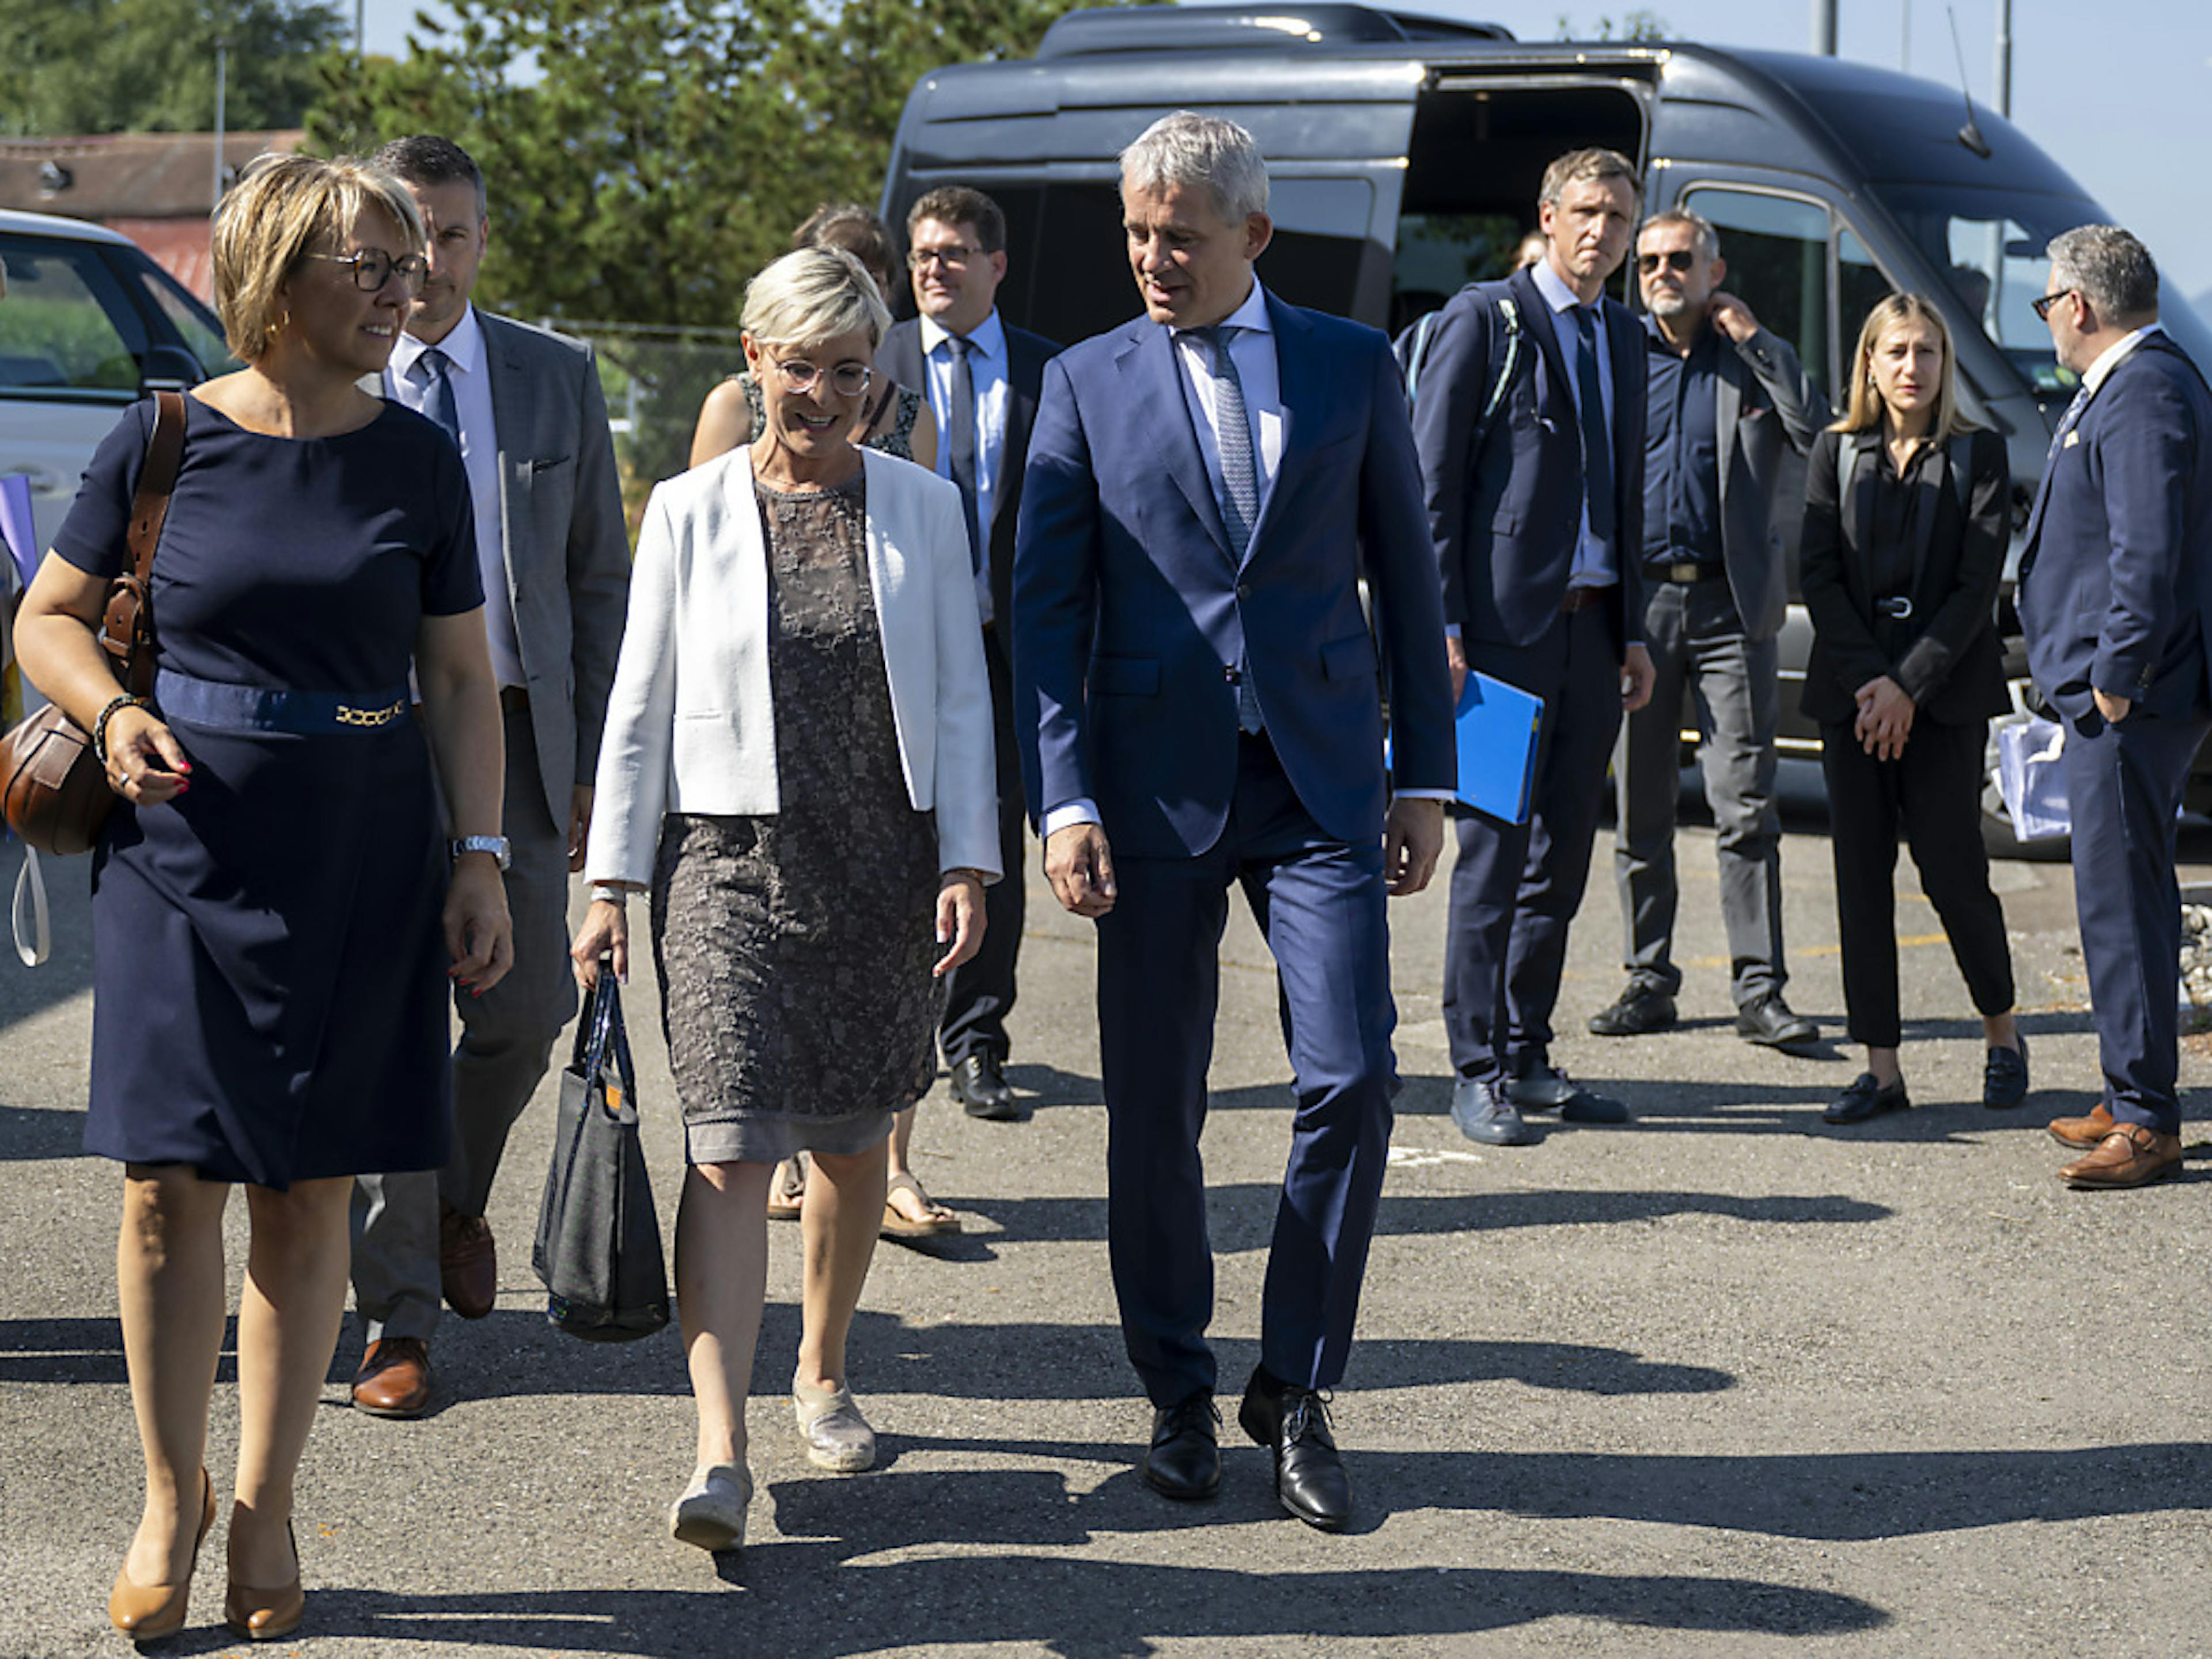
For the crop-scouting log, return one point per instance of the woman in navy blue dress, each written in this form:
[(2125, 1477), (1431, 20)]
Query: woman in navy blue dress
[(273, 919)]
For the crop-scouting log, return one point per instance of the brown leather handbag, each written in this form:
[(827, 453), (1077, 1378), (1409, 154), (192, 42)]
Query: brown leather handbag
[(52, 786)]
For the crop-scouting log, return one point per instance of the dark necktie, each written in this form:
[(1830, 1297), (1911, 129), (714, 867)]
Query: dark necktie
[(2067, 423), (1597, 444), (430, 372), (960, 444), (1240, 479)]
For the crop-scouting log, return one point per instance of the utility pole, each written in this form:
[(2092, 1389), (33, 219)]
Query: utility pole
[(1904, 40), (2001, 83), (360, 32), (1824, 28), (221, 76)]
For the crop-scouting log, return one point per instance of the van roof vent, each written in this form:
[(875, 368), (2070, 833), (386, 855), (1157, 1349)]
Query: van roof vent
[(1212, 28)]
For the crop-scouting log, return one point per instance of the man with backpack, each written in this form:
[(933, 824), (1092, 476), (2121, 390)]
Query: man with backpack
[(1535, 501)]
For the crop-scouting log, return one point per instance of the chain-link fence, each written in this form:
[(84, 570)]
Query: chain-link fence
[(655, 379)]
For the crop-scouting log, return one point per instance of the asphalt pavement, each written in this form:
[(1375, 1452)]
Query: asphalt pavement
[(1721, 1381)]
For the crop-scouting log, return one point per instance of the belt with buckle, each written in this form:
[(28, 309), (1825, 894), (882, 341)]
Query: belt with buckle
[(1688, 571), (226, 708), (1897, 605), (1576, 598)]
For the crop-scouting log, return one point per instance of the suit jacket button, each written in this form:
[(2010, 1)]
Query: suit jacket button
[(1243, 590)]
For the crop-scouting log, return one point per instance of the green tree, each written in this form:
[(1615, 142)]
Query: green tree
[(88, 66), (1638, 25), (646, 156)]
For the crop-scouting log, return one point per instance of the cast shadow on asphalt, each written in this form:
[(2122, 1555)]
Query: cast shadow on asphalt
[(822, 1588), (516, 1355)]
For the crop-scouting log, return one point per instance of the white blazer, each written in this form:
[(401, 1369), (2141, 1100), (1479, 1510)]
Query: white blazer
[(691, 725)]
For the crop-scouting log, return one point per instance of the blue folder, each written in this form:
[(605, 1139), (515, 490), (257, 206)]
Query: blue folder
[(1498, 727)]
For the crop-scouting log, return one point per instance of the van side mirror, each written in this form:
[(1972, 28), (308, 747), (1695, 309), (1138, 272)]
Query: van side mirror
[(166, 367)]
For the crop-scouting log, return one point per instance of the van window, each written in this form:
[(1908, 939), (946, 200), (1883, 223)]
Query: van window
[(68, 332), (1861, 287), (201, 335), (1991, 242), (1776, 249), (1320, 236)]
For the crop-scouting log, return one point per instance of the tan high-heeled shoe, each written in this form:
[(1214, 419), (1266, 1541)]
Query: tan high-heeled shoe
[(147, 1613), (261, 1614)]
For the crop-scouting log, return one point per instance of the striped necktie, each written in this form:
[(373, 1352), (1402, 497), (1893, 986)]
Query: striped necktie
[(429, 371), (1240, 479)]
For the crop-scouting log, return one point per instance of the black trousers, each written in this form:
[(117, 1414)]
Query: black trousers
[(979, 993), (1933, 792)]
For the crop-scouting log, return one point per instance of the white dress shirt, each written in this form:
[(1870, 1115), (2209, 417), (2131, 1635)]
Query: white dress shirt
[(2109, 358), (987, 376), (1596, 563), (467, 373)]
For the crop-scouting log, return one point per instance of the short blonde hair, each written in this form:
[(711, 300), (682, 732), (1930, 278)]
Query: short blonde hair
[(812, 295), (280, 208), (1865, 410)]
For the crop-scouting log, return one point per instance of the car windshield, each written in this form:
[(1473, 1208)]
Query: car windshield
[(1991, 243)]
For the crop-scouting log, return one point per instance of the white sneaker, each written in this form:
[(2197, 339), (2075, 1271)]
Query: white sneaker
[(711, 1513), (837, 1436)]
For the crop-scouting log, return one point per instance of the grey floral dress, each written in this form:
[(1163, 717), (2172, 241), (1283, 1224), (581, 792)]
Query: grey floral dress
[(794, 950)]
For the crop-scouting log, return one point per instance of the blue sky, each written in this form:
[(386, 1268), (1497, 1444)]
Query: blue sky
[(2117, 91)]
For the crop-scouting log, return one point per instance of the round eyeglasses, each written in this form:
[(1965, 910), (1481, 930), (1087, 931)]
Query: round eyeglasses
[(372, 268), (847, 380)]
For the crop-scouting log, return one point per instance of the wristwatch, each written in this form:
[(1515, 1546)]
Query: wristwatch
[(494, 845)]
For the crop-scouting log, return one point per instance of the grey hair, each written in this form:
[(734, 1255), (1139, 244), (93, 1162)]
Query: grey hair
[(1186, 149), (814, 295), (1708, 239), (2107, 267)]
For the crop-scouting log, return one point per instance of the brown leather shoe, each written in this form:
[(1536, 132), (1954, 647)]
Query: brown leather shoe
[(2082, 1131), (2128, 1156), (468, 1263), (394, 1378)]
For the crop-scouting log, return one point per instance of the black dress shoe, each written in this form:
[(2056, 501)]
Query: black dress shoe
[(977, 1085), (1539, 1087), (1184, 1463), (1292, 1423), (1865, 1098), (1770, 1022), (2004, 1077), (1483, 1114), (1641, 1010)]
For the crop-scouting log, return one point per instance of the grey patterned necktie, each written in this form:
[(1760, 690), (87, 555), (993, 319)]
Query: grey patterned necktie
[(2067, 423), (429, 371), (1240, 478)]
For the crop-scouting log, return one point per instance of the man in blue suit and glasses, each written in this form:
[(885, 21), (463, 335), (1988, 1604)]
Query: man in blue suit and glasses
[(1200, 705), (2115, 587)]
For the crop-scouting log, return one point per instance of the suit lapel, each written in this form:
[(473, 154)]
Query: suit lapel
[(1302, 388), (1541, 321), (1861, 504), (1149, 370), (1728, 409), (509, 417), (1025, 377), (901, 357)]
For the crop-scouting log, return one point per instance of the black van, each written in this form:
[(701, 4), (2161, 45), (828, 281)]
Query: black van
[(1405, 153)]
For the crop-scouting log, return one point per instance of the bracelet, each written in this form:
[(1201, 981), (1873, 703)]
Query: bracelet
[(100, 725), (607, 892)]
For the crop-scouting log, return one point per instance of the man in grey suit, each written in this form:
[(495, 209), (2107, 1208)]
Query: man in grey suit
[(524, 407), (1723, 397)]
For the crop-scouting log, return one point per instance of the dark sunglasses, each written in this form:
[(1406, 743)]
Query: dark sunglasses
[(2042, 306), (1681, 258)]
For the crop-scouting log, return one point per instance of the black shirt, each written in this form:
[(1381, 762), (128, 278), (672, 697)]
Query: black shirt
[(1896, 518), (1681, 451)]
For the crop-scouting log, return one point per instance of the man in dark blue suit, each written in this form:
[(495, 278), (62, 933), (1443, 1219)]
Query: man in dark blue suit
[(1530, 429), (1200, 701), (2115, 584)]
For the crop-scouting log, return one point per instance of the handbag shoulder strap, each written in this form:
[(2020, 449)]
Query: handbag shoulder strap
[(156, 479)]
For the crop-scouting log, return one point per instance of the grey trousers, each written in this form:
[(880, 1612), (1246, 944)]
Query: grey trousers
[(506, 1040), (1697, 644)]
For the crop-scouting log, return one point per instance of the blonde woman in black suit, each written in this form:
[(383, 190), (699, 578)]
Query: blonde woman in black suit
[(1906, 526)]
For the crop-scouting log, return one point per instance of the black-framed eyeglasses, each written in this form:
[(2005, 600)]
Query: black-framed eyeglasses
[(2042, 306), (1678, 258), (847, 380), (957, 256), (372, 268)]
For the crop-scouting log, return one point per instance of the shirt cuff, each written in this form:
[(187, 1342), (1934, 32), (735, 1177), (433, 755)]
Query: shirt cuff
[(1423, 794), (1082, 810), (1451, 630)]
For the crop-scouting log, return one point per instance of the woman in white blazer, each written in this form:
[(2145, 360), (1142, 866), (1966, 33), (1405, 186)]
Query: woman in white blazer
[(798, 768)]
